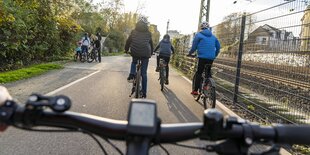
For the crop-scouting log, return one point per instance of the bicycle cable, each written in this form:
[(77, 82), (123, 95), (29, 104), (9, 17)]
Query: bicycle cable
[(97, 141), (189, 146), (162, 147), (113, 145)]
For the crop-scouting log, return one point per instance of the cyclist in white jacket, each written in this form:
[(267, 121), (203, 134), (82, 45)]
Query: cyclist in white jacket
[(85, 43)]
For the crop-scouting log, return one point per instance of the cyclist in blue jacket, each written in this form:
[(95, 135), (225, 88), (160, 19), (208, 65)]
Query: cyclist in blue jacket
[(165, 50), (208, 48)]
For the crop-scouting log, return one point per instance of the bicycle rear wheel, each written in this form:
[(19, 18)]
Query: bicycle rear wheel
[(138, 85), (162, 78), (209, 100), (83, 57), (91, 57)]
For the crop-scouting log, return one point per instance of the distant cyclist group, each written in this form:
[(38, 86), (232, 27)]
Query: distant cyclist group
[(140, 45), (87, 42)]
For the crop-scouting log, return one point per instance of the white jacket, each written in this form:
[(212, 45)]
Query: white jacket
[(85, 41)]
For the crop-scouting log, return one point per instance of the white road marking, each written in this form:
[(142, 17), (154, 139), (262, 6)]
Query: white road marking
[(187, 79), (70, 84)]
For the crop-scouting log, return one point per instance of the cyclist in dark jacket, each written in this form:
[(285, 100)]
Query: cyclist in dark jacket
[(99, 47), (165, 50), (208, 47), (141, 47)]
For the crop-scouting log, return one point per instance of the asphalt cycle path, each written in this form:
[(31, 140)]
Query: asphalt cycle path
[(100, 89)]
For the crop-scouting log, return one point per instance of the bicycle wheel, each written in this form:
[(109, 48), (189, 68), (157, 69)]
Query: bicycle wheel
[(138, 86), (83, 57), (162, 78), (209, 100), (91, 57)]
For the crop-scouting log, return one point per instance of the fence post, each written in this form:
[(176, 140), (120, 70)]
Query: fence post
[(236, 92)]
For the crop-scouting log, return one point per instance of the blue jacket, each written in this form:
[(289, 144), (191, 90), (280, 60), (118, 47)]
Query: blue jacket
[(206, 44), (165, 48)]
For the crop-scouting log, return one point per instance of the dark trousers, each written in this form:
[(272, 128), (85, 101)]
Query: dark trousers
[(202, 63), (144, 65), (167, 59), (99, 53), (84, 48)]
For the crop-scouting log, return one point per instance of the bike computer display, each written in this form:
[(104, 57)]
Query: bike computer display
[(142, 117)]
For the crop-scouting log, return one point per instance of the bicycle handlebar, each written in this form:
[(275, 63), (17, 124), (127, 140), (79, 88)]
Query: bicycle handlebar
[(116, 129), (245, 133), (109, 128)]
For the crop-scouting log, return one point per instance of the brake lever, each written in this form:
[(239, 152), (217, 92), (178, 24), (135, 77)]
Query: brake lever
[(7, 110), (226, 147), (58, 103)]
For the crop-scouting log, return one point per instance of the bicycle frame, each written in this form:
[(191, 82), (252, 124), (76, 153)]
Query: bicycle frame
[(162, 73), (93, 55), (136, 85), (83, 55), (207, 90)]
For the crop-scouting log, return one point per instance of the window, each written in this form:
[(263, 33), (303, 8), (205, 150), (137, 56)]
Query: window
[(264, 41)]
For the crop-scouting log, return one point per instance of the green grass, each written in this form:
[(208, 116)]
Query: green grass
[(28, 72), (302, 149), (113, 54)]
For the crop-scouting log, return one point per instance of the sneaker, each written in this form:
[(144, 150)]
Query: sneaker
[(157, 69), (130, 78), (194, 93), (143, 96), (167, 82)]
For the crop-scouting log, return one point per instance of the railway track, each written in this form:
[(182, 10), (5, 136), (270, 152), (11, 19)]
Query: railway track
[(298, 71), (277, 79)]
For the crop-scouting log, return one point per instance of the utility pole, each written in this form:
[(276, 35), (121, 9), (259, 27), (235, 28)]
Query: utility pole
[(204, 12), (167, 26)]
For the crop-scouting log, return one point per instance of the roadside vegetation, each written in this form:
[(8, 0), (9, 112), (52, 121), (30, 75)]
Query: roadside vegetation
[(24, 73), (39, 31)]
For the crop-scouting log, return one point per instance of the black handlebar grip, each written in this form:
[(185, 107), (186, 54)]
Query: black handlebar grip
[(291, 134)]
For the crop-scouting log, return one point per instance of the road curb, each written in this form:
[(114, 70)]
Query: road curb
[(229, 112), (219, 105)]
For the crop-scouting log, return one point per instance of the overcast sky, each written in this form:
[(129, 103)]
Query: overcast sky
[(184, 14)]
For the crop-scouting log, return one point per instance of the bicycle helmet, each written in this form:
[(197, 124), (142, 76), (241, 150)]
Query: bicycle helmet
[(204, 25), (166, 36), (143, 19)]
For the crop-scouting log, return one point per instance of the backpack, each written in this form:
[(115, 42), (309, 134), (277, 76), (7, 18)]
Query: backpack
[(85, 38)]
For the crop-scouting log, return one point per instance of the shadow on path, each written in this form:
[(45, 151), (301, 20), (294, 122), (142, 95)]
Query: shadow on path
[(177, 107)]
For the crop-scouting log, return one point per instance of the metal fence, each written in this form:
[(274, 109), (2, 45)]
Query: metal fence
[(265, 61)]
